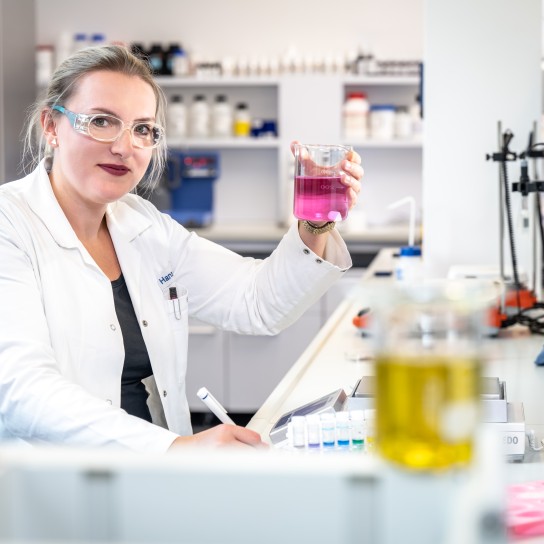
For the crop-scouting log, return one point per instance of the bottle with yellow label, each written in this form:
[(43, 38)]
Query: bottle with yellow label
[(242, 121)]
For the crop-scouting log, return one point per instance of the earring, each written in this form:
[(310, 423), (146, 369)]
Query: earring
[(54, 142)]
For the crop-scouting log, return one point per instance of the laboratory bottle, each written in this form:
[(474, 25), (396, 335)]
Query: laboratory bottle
[(242, 121), (80, 41), (355, 116), (417, 121), (403, 123), (169, 55), (382, 121), (180, 63), (221, 117), (409, 265), (45, 58), (97, 39), (63, 48), (199, 117), (138, 50), (155, 56), (176, 118)]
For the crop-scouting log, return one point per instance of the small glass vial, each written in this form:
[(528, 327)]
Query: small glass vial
[(328, 429), (242, 121), (342, 429), (313, 430), (370, 420), (298, 430), (358, 430)]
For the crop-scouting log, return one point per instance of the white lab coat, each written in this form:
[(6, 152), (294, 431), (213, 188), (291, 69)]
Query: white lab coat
[(61, 348)]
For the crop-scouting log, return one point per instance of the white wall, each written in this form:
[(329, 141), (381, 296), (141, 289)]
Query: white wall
[(482, 65), (214, 28)]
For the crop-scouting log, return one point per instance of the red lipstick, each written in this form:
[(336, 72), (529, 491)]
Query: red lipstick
[(114, 169)]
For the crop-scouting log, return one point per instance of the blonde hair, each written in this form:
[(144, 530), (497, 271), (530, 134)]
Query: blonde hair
[(114, 58)]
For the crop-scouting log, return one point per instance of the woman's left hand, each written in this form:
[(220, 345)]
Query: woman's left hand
[(353, 173)]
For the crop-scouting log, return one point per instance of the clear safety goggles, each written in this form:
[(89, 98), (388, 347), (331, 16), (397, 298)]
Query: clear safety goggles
[(108, 128)]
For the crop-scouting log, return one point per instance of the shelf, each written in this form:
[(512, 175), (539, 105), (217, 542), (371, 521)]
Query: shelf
[(221, 143), (256, 81), (272, 81), (381, 80), (387, 144)]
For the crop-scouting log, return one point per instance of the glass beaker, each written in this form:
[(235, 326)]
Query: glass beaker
[(428, 373), (320, 194)]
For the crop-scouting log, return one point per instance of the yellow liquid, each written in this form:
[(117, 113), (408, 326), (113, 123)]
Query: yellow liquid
[(426, 410)]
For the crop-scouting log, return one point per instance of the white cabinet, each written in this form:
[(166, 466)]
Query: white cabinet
[(241, 371), (254, 365), (206, 365)]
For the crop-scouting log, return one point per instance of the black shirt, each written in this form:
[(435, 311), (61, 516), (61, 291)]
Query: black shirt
[(137, 365)]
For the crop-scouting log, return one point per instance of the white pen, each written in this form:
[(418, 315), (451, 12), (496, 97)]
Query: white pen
[(211, 402)]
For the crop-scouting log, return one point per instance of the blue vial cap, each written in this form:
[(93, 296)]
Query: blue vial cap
[(410, 251)]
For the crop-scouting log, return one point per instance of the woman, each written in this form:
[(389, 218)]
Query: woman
[(97, 285)]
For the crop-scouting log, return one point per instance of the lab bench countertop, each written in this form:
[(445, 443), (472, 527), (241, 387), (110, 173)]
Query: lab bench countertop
[(339, 356)]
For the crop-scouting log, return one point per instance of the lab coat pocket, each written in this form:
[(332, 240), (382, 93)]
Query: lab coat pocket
[(176, 301)]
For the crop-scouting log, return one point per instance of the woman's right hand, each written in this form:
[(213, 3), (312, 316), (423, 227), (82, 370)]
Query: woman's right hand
[(221, 436)]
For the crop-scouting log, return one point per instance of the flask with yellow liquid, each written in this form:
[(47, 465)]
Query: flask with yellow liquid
[(428, 373)]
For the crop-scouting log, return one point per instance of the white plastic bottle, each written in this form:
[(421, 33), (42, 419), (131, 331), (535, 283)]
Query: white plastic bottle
[(409, 265), (45, 59), (355, 117), (403, 123), (180, 63), (199, 117), (221, 117), (176, 118), (417, 121), (80, 41), (382, 121), (63, 48)]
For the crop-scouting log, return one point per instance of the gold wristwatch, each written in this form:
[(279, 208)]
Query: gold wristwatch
[(314, 229)]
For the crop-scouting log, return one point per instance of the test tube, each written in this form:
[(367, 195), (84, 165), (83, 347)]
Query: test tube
[(370, 417), (358, 429), (342, 429), (313, 428), (328, 429)]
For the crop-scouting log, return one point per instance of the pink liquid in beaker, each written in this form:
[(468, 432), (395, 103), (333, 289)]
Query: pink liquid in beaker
[(320, 199)]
